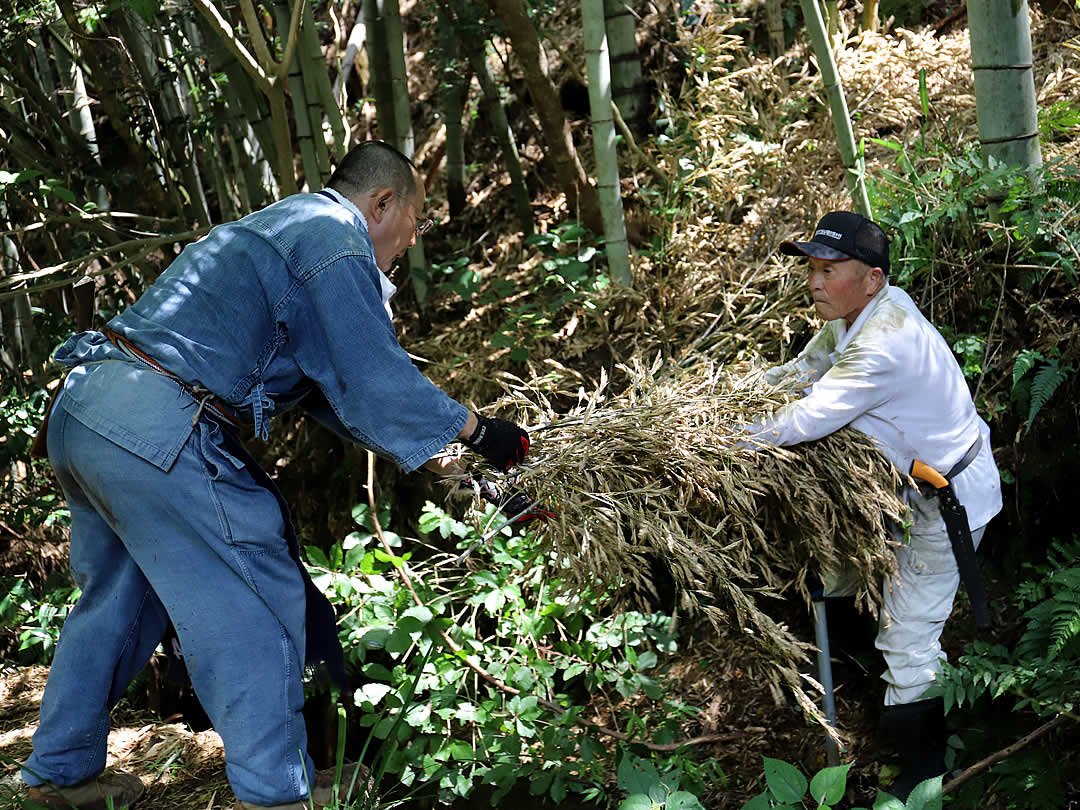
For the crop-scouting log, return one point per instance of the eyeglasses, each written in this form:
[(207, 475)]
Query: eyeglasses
[(424, 225)]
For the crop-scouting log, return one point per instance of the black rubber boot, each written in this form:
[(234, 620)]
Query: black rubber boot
[(917, 732)]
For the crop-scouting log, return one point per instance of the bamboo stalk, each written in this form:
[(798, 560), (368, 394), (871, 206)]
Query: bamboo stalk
[(845, 137), (453, 94), (607, 164), (377, 47), (1005, 102), (475, 52), (322, 89), (305, 133)]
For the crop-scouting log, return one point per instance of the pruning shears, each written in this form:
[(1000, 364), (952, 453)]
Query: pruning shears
[(511, 501)]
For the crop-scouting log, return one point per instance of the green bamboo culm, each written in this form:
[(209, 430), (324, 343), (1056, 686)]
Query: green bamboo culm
[(607, 166), (845, 137), (1005, 101)]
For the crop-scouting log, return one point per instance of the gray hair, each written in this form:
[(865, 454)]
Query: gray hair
[(371, 165)]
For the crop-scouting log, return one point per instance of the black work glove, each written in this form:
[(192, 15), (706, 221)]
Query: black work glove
[(502, 443), (513, 502)]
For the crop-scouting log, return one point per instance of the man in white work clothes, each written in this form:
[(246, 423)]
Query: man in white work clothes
[(881, 367)]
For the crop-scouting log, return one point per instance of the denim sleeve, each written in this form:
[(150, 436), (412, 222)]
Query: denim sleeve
[(344, 342)]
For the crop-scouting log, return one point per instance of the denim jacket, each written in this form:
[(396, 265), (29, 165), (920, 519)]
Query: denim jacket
[(286, 304)]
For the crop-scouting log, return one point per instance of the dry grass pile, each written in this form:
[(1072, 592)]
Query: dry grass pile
[(655, 474)]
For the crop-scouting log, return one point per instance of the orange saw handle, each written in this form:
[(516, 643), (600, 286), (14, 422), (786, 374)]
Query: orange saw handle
[(924, 472)]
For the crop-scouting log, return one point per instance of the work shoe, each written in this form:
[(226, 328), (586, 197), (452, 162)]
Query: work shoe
[(917, 731), (322, 792), (123, 788)]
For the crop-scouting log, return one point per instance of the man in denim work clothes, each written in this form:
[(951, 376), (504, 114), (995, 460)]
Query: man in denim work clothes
[(172, 519), (879, 366)]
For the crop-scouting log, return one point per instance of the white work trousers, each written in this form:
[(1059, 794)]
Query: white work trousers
[(918, 599)]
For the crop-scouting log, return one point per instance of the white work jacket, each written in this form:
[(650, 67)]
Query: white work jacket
[(893, 377)]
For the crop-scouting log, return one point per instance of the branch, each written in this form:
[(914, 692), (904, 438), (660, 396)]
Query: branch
[(258, 41), (290, 43), (995, 758), (470, 660), (85, 217), (225, 32), (10, 285)]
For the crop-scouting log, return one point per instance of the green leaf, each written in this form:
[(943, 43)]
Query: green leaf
[(418, 714), (1047, 379), (1024, 362), (558, 789), (759, 802), (144, 8), (377, 672), (636, 775), (372, 693), (682, 800), (785, 782), (540, 783), (316, 556), (60, 191), (886, 801), (462, 751), (399, 641), (926, 795), (829, 784), (638, 801), (421, 613)]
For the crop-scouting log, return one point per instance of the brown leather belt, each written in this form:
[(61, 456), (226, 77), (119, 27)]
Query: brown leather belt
[(201, 396)]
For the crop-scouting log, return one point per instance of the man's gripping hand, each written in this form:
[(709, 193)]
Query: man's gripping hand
[(502, 443)]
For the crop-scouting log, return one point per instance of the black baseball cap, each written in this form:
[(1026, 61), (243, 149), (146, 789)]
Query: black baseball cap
[(844, 235)]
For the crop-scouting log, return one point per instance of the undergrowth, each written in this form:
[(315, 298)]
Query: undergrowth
[(503, 663)]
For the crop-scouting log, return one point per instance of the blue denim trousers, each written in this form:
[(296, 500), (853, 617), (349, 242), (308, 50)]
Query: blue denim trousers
[(203, 544)]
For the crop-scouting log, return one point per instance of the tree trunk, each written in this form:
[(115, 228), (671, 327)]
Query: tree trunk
[(315, 68), (475, 50), (453, 92), (266, 72), (251, 140), (357, 38), (399, 78), (774, 16), (607, 164), (628, 88), (307, 112), (109, 79), (1005, 103), (379, 62), (581, 197), (169, 115), (855, 173)]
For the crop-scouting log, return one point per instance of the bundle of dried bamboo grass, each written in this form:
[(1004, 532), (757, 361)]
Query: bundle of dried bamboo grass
[(656, 474)]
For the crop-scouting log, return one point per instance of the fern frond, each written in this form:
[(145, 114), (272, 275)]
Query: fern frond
[(1046, 382), (1054, 624), (1066, 627), (1025, 361)]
